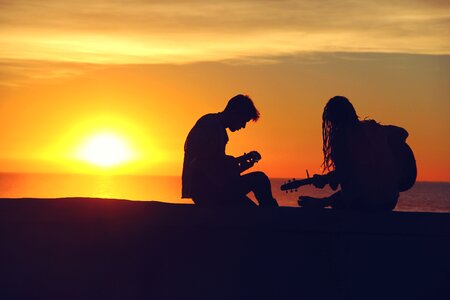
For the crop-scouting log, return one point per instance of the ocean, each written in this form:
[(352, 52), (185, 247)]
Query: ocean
[(423, 197)]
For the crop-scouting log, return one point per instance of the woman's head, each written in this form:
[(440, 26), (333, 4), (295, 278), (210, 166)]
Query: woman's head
[(338, 114)]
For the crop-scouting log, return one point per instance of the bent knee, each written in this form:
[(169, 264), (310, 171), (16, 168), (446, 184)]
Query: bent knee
[(261, 177)]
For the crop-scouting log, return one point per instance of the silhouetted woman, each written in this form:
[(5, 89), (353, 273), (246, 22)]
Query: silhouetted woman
[(359, 158)]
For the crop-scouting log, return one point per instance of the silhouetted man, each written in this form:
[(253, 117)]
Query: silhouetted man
[(212, 178)]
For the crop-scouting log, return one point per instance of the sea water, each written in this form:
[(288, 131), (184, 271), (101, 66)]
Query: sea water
[(424, 196)]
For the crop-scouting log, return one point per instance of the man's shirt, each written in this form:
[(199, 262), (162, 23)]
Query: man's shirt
[(204, 153)]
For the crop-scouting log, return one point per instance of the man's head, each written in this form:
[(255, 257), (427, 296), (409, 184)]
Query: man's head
[(239, 110)]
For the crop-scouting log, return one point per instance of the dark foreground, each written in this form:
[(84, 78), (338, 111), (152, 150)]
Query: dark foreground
[(108, 249)]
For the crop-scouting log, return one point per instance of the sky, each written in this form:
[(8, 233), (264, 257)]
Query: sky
[(72, 72)]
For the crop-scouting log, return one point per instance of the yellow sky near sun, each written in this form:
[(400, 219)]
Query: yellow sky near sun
[(146, 71)]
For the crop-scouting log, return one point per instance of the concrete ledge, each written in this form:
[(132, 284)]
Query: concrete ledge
[(84, 248)]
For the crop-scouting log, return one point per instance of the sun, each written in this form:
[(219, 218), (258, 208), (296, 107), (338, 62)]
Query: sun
[(105, 150)]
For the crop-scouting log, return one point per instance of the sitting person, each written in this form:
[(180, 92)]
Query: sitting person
[(360, 157), (212, 178)]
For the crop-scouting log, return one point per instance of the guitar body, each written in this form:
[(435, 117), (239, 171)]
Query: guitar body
[(407, 166)]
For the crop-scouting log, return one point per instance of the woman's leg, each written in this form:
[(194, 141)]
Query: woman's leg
[(335, 201)]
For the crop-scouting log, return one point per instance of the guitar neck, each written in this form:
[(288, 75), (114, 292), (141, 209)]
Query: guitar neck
[(296, 184)]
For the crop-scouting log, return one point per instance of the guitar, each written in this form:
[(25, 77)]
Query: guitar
[(237, 165), (293, 185), (251, 157), (247, 160), (406, 164)]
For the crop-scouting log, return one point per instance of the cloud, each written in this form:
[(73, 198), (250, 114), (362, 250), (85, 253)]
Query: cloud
[(14, 73), (139, 31)]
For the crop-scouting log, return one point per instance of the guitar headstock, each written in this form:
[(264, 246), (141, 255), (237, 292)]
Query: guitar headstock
[(293, 185), (253, 156), (290, 186)]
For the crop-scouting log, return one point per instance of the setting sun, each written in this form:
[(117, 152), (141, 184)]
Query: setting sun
[(105, 150)]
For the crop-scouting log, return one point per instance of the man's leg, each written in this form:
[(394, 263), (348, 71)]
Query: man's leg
[(239, 201), (259, 184)]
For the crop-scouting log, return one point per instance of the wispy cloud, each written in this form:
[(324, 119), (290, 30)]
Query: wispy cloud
[(139, 31), (14, 73)]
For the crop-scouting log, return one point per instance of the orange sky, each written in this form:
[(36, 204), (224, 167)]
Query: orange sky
[(147, 72)]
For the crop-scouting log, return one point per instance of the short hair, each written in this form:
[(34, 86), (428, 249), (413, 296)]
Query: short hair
[(243, 104)]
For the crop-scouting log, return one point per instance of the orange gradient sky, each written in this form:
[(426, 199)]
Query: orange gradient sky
[(144, 71)]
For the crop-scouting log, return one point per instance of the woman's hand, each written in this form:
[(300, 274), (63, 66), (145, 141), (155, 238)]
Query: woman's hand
[(319, 181)]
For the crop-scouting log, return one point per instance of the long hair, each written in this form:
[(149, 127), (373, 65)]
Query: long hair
[(337, 115)]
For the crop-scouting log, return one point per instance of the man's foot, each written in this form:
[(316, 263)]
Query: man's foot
[(311, 202)]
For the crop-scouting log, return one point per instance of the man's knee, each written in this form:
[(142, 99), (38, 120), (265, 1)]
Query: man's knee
[(260, 177)]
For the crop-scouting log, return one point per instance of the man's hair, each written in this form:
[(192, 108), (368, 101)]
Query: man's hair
[(243, 104)]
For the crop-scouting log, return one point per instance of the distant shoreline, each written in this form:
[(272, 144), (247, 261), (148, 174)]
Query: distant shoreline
[(149, 175), (425, 196)]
